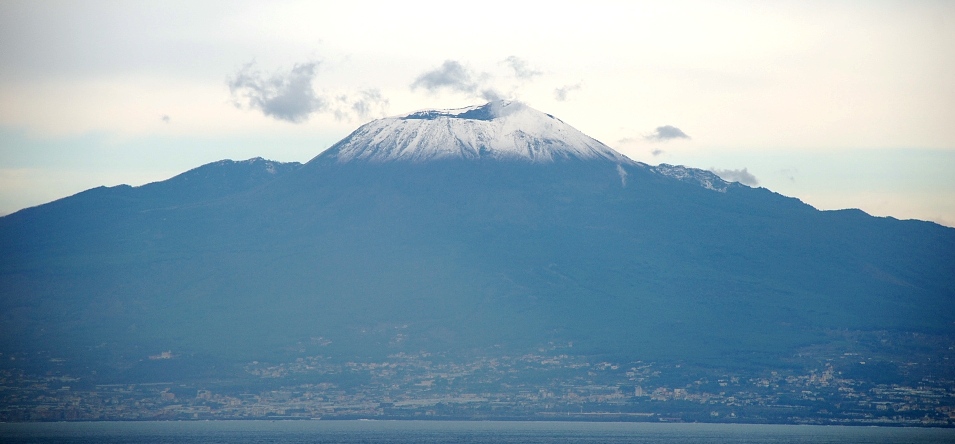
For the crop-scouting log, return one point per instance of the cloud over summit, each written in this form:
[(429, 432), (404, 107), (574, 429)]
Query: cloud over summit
[(454, 76), (451, 74), (522, 69), (561, 93)]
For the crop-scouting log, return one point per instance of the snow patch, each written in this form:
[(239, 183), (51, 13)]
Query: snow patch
[(503, 130), (705, 179)]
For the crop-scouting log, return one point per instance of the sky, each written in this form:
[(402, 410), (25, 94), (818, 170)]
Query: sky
[(842, 104)]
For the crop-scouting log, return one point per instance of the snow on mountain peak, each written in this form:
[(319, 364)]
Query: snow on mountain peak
[(502, 130)]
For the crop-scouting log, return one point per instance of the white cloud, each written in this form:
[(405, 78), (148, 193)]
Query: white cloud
[(561, 93), (521, 68), (742, 176)]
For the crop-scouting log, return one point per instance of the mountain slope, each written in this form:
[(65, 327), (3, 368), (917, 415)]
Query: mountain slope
[(378, 254)]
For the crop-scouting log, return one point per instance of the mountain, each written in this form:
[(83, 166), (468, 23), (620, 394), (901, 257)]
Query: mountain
[(487, 229), (498, 130)]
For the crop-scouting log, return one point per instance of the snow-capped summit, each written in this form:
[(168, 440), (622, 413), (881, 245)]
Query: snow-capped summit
[(503, 130)]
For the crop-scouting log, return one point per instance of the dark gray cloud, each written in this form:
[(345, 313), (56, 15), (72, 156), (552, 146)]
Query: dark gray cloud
[(742, 176), (521, 69), (561, 93), (285, 96), (665, 133), (451, 74), (656, 152)]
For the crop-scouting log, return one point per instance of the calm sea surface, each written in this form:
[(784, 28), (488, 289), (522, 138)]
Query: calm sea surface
[(407, 432)]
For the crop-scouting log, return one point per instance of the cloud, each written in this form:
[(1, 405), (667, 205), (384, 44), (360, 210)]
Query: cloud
[(634, 141), (561, 93), (665, 133), (291, 96), (742, 176), (789, 173), (368, 103), (165, 118), (626, 141), (454, 76), (521, 69), (623, 175), (491, 94), (287, 96)]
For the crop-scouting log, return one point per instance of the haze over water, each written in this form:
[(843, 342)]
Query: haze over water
[(435, 432)]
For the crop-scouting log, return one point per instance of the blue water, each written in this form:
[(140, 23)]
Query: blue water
[(434, 432)]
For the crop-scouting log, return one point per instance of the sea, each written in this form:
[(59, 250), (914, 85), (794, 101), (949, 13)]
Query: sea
[(454, 432)]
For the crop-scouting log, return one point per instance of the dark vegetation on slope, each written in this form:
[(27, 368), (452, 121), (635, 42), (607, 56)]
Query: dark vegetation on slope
[(233, 262)]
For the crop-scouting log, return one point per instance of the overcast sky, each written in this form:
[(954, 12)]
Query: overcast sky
[(845, 104)]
